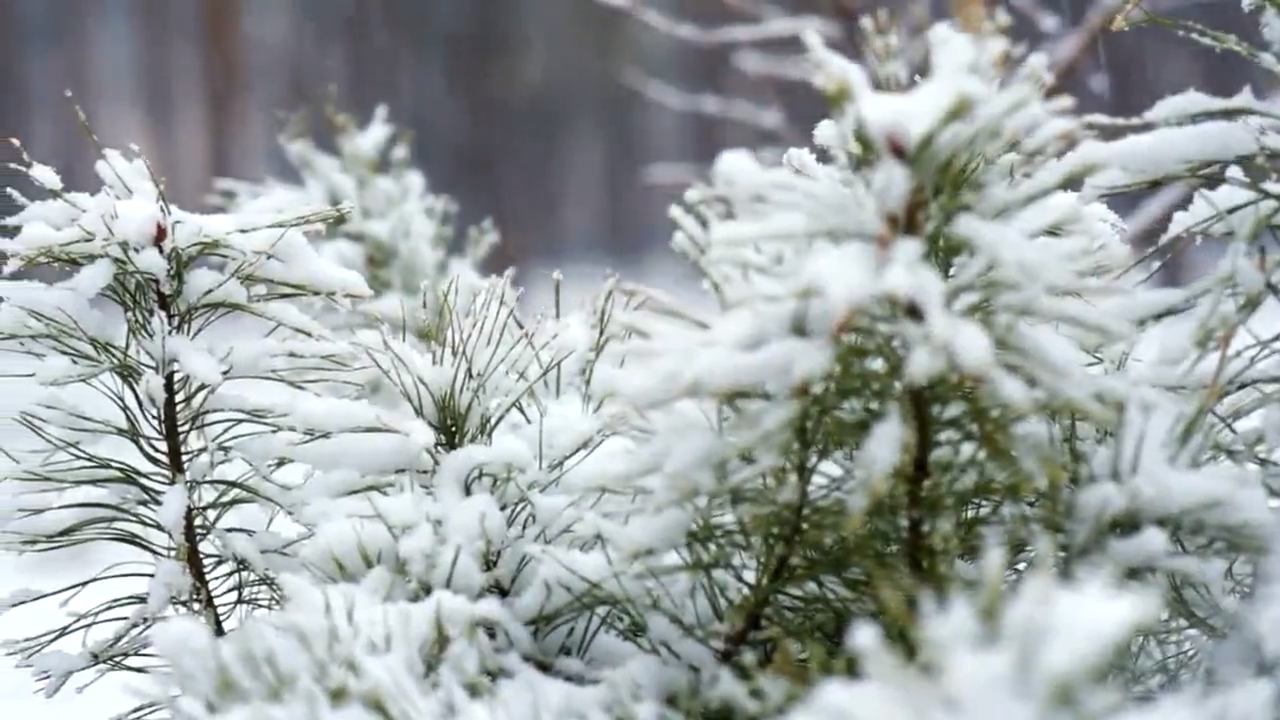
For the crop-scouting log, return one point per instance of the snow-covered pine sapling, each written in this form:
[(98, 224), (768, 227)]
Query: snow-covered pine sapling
[(170, 347), (918, 353), (474, 583), (1213, 164), (397, 233)]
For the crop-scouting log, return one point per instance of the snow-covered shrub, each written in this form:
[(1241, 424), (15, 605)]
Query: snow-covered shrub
[(171, 347), (923, 350), (464, 585), (935, 450), (394, 230)]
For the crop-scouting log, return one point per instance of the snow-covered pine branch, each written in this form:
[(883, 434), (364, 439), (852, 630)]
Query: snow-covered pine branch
[(480, 580), (156, 356)]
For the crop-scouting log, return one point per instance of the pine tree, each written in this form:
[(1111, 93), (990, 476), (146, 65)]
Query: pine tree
[(924, 350), (154, 436)]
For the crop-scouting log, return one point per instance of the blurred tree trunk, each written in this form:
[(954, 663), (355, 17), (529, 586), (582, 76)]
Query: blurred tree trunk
[(224, 81), (11, 86), (483, 75)]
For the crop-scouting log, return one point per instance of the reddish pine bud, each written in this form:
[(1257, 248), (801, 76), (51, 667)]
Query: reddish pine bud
[(896, 145)]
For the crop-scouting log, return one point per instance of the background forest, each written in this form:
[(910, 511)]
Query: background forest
[(539, 113)]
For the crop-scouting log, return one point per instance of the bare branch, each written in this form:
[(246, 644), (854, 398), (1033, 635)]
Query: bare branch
[(782, 27), (672, 173), (1067, 53), (768, 118), (758, 9), (1046, 21), (763, 65)]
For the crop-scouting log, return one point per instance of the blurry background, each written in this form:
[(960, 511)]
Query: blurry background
[(520, 108)]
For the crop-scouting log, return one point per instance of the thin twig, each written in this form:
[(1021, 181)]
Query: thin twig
[(1067, 53), (768, 118), (784, 27), (1046, 21), (1144, 224)]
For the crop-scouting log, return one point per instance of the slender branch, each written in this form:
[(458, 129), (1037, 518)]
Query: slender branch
[(1046, 21), (761, 65), (178, 472), (769, 118), (916, 543), (780, 569), (767, 29), (1145, 223), (1067, 53)]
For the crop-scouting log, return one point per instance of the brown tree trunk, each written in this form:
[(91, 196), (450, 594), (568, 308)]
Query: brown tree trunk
[(224, 80)]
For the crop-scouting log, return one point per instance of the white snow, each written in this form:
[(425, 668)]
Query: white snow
[(19, 692)]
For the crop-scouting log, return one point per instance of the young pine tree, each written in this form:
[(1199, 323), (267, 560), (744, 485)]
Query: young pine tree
[(918, 401), (168, 361)]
